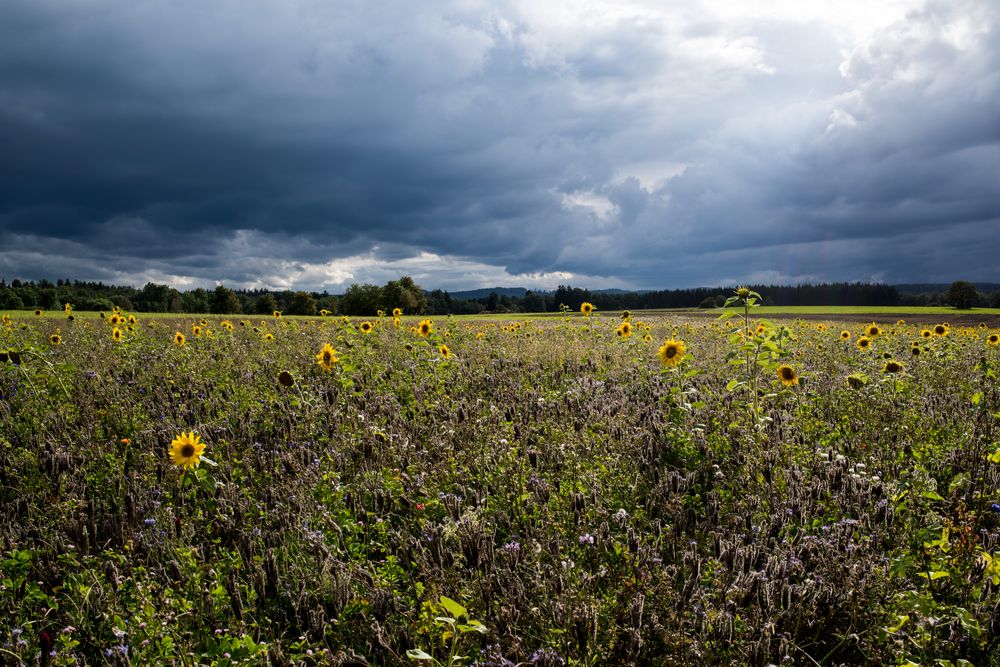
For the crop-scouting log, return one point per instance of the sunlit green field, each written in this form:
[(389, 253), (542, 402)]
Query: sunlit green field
[(667, 489)]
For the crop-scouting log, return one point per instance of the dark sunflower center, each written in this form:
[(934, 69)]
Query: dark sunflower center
[(787, 373), (187, 450), (671, 352)]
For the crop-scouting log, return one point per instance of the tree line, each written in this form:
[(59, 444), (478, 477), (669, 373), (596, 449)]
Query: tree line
[(404, 293)]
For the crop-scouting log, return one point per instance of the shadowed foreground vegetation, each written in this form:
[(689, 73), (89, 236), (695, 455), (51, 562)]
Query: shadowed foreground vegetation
[(550, 492)]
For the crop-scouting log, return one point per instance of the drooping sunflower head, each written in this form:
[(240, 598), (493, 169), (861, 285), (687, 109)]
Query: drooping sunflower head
[(586, 308), (864, 342), (892, 366), (787, 375), (444, 351), (873, 330), (857, 380), (993, 340), (845, 335), (186, 450), (671, 353), (327, 357), (285, 379), (424, 328), (179, 339), (940, 329), (366, 327), (626, 314), (900, 323), (397, 312)]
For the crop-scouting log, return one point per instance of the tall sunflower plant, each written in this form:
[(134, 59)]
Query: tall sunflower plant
[(758, 349), (187, 452)]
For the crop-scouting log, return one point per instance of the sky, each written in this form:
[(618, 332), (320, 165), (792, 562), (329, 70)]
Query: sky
[(635, 144)]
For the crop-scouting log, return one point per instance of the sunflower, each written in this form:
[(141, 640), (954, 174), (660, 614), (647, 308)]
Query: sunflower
[(916, 351), (900, 323), (324, 312), (327, 357), (787, 375), (647, 337), (761, 330), (276, 314), (366, 327), (396, 322), (892, 366), (864, 343), (116, 334), (445, 352), (55, 339), (671, 353), (196, 330), (186, 450), (993, 340), (115, 320), (285, 379), (227, 325), (586, 308), (425, 327), (39, 312), (179, 339), (941, 330), (626, 314), (845, 335), (397, 312), (269, 336), (857, 380), (68, 308), (625, 329), (926, 333), (872, 331)]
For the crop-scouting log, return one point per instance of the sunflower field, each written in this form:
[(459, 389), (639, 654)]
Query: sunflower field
[(585, 489)]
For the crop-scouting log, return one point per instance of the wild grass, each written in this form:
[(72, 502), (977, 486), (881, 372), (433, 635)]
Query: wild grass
[(549, 494)]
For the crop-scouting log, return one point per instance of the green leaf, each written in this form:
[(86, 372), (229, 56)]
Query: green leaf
[(932, 495), (455, 609), (733, 384), (417, 654), (901, 621)]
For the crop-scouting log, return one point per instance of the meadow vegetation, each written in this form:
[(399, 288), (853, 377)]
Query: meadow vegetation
[(586, 489)]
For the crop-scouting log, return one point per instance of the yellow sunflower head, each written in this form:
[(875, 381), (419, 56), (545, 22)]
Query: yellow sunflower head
[(39, 312), (873, 330), (276, 314), (397, 312), (444, 351), (941, 330), (186, 450), (671, 353), (116, 334), (892, 366), (327, 357), (916, 351), (787, 375), (845, 335), (864, 342), (196, 330), (55, 339), (269, 336), (425, 327), (648, 337), (625, 329), (993, 340), (366, 327), (586, 308), (179, 339)]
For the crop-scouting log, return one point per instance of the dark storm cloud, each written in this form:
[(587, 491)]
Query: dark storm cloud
[(317, 144)]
